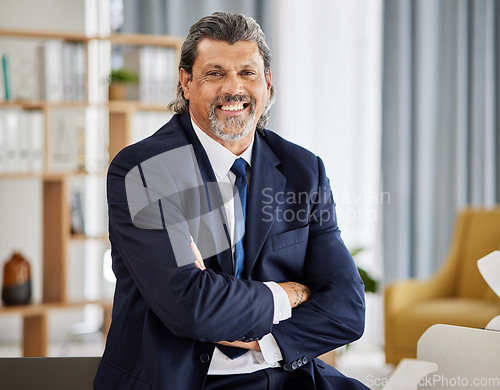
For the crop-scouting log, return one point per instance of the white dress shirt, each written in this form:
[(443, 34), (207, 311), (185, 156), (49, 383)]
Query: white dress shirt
[(221, 160)]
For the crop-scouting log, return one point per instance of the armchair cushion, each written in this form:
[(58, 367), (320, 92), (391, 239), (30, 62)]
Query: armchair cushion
[(413, 322)]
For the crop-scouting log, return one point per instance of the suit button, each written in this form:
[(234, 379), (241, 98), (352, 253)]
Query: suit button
[(299, 362), (294, 365), (204, 358), (304, 360), (242, 338), (287, 367)]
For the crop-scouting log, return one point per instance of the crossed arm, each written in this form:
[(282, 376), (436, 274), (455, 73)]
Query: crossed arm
[(297, 294)]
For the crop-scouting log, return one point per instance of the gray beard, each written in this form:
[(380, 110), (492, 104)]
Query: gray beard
[(232, 128)]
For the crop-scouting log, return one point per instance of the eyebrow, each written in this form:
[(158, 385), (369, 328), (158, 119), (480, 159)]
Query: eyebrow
[(217, 66)]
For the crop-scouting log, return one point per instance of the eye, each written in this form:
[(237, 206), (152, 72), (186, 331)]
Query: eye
[(248, 73), (214, 73)]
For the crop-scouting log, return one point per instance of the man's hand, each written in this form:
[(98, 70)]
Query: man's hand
[(253, 345), (297, 293)]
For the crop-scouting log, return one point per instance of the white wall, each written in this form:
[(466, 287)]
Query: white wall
[(67, 15)]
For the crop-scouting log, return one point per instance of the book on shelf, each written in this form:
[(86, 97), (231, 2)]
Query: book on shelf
[(79, 139), (10, 119), (62, 71), (157, 70), (5, 83), (96, 139), (21, 141), (2, 82), (66, 126), (77, 220), (36, 140)]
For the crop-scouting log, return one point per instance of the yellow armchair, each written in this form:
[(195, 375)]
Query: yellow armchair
[(456, 295)]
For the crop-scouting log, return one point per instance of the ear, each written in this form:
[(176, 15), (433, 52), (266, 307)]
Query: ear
[(269, 82), (184, 79)]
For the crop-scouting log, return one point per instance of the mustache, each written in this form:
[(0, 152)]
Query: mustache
[(220, 100)]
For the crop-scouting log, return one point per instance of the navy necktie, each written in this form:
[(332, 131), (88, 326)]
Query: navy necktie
[(239, 168)]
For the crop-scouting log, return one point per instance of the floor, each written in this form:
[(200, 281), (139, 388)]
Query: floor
[(365, 363)]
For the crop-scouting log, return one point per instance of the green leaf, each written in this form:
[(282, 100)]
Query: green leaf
[(123, 75), (371, 285)]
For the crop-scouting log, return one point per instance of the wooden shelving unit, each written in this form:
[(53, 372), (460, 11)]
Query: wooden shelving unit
[(55, 192)]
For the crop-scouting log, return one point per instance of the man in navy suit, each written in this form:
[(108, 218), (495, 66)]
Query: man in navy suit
[(231, 272)]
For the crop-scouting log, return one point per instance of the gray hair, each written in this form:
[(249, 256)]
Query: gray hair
[(230, 28)]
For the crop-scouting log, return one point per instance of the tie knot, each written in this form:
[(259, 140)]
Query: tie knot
[(239, 167)]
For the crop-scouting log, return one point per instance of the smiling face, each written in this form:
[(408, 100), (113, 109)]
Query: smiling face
[(228, 91)]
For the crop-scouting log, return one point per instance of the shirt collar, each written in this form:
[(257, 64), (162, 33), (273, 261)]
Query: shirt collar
[(221, 158)]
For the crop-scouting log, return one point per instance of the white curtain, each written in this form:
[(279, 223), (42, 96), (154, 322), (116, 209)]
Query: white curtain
[(327, 76), (440, 131), (174, 17), (327, 73)]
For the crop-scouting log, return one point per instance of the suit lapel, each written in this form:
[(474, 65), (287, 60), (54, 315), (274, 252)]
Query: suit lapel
[(266, 185), (213, 194)]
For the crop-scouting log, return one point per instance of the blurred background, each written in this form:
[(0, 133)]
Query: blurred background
[(400, 98)]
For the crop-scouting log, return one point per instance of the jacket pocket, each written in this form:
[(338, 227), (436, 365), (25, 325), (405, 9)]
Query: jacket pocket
[(291, 237)]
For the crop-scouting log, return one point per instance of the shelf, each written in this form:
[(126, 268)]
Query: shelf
[(118, 39), (35, 323), (145, 39), (49, 176), (43, 104), (84, 237), (41, 308), (118, 106), (113, 105), (43, 34)]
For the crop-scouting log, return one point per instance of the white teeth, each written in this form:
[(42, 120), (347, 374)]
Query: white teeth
[(232, 107)]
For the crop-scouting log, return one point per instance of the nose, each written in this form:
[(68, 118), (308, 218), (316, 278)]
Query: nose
[(232, 84)]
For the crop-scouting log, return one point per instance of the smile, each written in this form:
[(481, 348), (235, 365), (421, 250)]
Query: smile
[(233, 107)]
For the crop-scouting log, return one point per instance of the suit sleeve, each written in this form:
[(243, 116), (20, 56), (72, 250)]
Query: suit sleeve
[(205, 306), (334, 316)]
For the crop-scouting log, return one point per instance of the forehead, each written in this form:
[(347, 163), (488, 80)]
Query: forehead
[(220, 53)]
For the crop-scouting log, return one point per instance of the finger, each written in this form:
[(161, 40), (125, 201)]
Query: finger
[(199, 260), (198, 265)]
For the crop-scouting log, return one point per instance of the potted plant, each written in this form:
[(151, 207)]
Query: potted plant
[(371, 284), (118, 80)]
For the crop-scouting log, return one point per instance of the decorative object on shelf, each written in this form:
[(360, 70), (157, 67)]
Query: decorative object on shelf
[(118, 80), (16, 288), (77, 219)]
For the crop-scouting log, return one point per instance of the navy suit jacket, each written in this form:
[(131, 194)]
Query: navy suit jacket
[(167, 317)]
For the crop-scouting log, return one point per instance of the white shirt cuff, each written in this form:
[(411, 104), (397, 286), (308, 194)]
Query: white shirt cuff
[(269, 352), (282, 307)]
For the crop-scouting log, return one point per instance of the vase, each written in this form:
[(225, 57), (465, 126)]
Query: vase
[(16, 288), (117, 91)]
